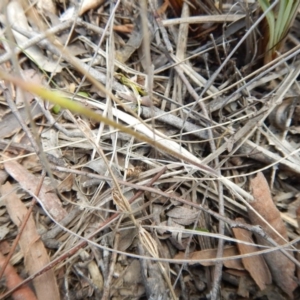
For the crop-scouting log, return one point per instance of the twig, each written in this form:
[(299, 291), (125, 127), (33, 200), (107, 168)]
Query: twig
[(107, 284), (203, 19)]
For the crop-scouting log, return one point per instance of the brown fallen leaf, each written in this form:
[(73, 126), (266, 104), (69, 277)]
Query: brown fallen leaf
[(255, 264), (35, 254), (282, 269), (12, 279), (29, 182), (197, 256)]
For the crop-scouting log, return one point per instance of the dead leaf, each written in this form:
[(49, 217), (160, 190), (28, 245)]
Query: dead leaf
[(10, 125), (255, 264), (3, 177), (35, 254), (67, 184), (47, 6), (133, 273), (282, 269), (89, 4), (17, 17), (94, 270), (5, 247), (29, 182), (127, 237), (50, 141), (298, 216), (245, 285), (197, 256), (127, 28), (130, 281), (279, 115), (183, 215), (134, 43), (12, 279), (4, 230)]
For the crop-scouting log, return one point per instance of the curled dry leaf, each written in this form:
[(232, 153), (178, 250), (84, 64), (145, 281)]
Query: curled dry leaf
[(255, 264), (282, 269), (278, 117)]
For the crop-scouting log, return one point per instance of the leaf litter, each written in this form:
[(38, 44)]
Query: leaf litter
[(116, 218)]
